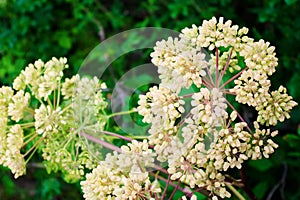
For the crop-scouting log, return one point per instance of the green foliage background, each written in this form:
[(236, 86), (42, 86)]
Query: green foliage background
[(41, 29)]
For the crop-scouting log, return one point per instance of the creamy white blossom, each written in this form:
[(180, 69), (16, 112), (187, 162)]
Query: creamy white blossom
[(122, 175), (17, 107), (202, 143)]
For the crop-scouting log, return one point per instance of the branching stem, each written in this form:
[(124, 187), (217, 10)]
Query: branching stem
[(116, 135), (122, 113), (103, 143), (234, 77), (217, 66), (238, 114), (226, 65), (167, 185)]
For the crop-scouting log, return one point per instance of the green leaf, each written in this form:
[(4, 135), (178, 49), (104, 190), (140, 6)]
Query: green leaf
[(200, 196), (261, 189), (137, 81), (65, 41), (293, 86), (293, 140), (261, 165), (50, 188), (8, 185), (294, 154)]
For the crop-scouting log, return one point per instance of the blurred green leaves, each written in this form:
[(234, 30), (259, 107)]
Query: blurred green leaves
[(8, 185), (290, 2), (50, 188), (260, 189), (261, 165), (64, 40)]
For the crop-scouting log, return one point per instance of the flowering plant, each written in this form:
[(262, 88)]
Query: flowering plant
[(40, 115), (194, 139)]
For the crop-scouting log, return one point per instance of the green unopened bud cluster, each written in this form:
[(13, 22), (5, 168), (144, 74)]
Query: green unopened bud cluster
[(45, 112)]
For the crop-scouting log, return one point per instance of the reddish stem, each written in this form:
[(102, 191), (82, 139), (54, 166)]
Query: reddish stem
[(116, 135), (103, 143), (207, 84), (209, 75), (232, 93), (167, 185), (217, 66), (158, 168), (240, 117), (174, 191), (234, 77), (187, 95), (185, 191), (226, 66)]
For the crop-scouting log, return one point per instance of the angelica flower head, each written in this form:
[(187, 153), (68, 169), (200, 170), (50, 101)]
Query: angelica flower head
[(220, 60)]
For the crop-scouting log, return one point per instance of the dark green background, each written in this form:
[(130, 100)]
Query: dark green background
[(41, 29)]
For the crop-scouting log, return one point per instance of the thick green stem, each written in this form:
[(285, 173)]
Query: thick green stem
[(235, 192)]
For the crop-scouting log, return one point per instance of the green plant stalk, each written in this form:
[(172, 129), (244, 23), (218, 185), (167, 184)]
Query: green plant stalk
[(121, 113), (235, 192)]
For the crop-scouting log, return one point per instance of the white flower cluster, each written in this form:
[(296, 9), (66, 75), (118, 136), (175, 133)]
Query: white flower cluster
[(11, 136), (252, 88), (42, 78), (123, 175), (208, 141), (47, 120), (262, 145), (209, 108), (49, 114), (160, 104), (276, 107), (179, 65), (215, 33), (260, 57), (19, 102), (232, 148)]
